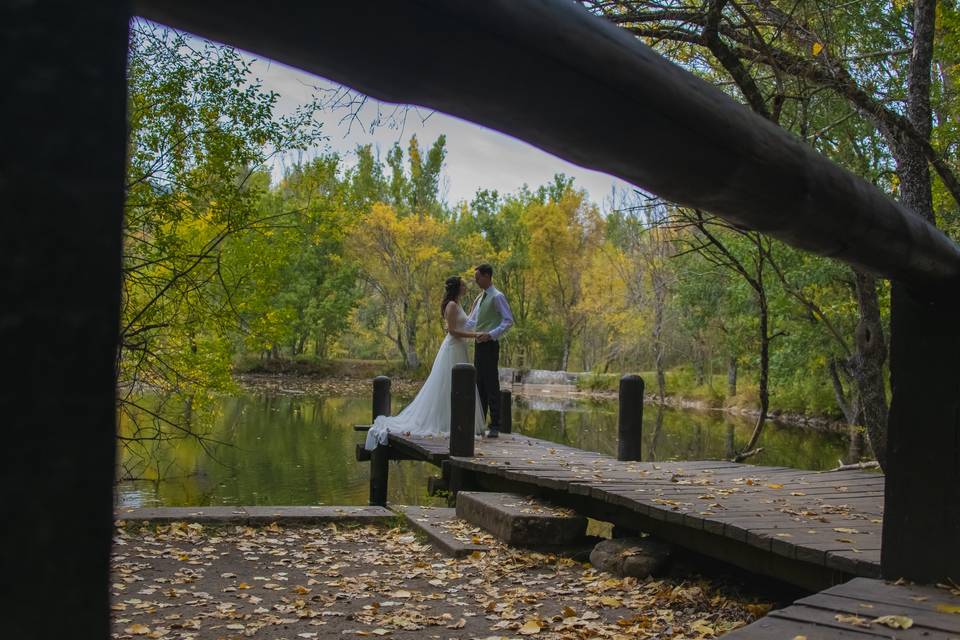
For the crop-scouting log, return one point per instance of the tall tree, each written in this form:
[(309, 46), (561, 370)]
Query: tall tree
[(200, 128), (779, 56)]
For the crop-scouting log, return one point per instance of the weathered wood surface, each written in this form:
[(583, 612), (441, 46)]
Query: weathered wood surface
[(252, 515), (435, 523), (849, 610), (826, 519)]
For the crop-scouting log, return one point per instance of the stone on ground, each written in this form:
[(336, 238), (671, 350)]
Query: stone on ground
[(631, 557), (521, 520)]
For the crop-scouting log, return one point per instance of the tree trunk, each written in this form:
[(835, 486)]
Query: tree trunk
[(866, 365), (659, 296), (699, 361), (410, 326), (301, 341), (855, 450), (849, 406), (655, 436), (764, 380), (732, 376)]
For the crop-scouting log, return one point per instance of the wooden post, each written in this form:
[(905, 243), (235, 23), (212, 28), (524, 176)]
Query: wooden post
[(630, 419), (463, 410), (506, 411), (62, 187), (380, 456), (381, 397), (921, 519)]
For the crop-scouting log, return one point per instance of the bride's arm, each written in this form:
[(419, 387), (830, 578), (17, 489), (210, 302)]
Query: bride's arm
[(450, 315)]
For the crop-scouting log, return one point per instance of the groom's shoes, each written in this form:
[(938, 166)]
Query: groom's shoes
[(493, 433)]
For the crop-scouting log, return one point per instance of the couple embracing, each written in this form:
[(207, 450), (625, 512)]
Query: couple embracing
[(489, 318)]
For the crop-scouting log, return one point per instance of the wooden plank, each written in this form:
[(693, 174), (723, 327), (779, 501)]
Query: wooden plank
[(863, 606), (828, 618), (858, 562), (921, 597), (771, 628)]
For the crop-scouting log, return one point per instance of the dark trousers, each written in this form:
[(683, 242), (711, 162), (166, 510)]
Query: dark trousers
[(486, 359)]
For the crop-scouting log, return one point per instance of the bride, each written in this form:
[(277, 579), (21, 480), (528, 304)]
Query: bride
[(429, 413)]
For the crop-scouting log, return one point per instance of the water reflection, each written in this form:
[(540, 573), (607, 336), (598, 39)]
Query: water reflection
[(300, 450)]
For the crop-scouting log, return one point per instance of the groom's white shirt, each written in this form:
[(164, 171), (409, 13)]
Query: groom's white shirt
[(500, 302)]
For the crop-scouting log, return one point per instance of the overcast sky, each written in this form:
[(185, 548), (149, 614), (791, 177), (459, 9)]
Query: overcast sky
[(477, 157)]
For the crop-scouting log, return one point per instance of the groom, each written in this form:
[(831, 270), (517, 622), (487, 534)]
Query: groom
[(491, 316)]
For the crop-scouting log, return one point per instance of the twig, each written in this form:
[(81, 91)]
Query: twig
[(743, 455), (871, 464)]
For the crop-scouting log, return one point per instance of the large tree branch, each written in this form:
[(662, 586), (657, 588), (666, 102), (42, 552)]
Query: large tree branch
[(731, 62), (822, 70)]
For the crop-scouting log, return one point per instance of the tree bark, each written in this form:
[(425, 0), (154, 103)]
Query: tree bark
[(764, 315), (699, 360), (866, 365), (659, 302), (410, 329), (732, 376), (849, 406)]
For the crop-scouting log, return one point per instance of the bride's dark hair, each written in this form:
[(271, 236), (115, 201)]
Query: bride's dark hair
[(451, 289)]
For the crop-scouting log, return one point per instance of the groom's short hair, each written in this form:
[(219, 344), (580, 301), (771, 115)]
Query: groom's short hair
[(485, 269)]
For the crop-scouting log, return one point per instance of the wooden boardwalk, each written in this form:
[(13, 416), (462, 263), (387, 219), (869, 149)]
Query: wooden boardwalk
[(814, 529), (863, 609)]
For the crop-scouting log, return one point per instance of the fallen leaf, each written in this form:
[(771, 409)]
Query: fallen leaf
[(948, 608), (845, 530), (138, 629), (816, 48), (851, 619), (774, 485), (459, 624), (568, 612), (529, 628), (895, 622)]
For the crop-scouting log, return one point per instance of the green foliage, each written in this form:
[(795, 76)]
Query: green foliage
[(200, 129), (225, 266)]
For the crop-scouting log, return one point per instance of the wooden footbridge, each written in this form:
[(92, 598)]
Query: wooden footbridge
[(821, 531), (813, 529)]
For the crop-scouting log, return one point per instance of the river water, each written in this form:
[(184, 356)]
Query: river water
[(267, 449)]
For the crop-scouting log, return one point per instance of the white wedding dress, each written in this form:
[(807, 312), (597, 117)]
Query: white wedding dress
[(429, 413)]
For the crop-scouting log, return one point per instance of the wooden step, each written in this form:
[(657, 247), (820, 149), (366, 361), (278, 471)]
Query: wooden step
[(440, 525), (521, 520)]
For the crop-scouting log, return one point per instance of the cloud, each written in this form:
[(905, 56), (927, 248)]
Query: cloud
[(477, 157)]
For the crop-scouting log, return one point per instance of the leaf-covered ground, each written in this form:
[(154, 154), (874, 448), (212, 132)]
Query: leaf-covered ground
[(189, 581)]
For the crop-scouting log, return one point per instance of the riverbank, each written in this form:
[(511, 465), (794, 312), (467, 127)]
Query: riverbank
[(186, 581), (352, 384)]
